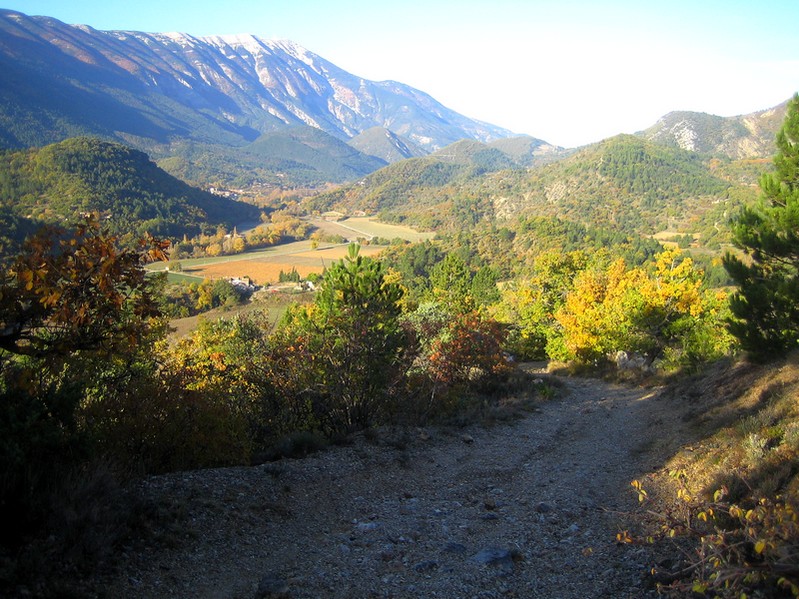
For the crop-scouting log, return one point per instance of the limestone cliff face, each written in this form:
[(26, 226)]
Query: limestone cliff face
[(58, 79), (744, 136)]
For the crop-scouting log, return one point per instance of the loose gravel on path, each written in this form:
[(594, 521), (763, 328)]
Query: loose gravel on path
[(526, 509)]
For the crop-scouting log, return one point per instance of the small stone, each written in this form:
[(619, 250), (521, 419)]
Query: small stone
[(543, 508), (272, 587), (367, 526), (454, 547), (490, 504), (493, 556), (468, 439), (388, 554), (426, 566)]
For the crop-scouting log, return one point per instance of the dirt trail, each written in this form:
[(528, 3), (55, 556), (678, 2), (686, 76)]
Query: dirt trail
[(527, 509)]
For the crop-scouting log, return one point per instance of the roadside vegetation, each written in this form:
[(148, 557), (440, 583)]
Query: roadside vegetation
[(734, 524)]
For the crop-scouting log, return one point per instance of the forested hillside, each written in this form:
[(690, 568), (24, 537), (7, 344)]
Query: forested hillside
[(58, 183), (313, 155), (624, 183), (416, 190)]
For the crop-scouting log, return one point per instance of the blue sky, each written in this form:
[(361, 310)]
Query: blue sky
[(567, 71)]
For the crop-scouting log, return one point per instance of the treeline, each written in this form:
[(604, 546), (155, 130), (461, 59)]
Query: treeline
[(511, 250), (279, 227), (189, 299), (582, 306)]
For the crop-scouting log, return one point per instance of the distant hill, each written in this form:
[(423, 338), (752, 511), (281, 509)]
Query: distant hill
[(623, 182), (529, 151), (520, 151), (421, 190), (60, 182), (323, 156), (386, 145), (405, 189), (479, 156), (738, 137)]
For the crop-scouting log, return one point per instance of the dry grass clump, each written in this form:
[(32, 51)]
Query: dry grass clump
[(728, 503), (747, 417)]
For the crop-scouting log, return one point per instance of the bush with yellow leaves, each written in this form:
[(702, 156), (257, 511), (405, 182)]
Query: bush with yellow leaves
[(738, 551)]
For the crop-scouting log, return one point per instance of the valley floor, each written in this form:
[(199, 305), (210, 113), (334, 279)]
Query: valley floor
[(526, 509)]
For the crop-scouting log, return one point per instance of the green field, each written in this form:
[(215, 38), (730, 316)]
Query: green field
[(368, 226), (274, 306)]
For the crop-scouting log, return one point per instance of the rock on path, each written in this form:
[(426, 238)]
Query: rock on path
[(528, 509)]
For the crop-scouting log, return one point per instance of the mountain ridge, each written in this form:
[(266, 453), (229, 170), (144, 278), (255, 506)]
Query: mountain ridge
[(178, 97), (235, 86), (386, 145), (743, 136)]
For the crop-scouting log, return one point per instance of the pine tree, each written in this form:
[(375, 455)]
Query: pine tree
[(766, 305), (350, 344)]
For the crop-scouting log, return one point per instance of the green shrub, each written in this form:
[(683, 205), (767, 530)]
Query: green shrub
[(346, 355)]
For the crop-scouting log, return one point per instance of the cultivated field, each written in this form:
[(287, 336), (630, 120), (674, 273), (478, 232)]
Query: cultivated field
[(367, 226), (263, 266), (266, 268), (273, 305)]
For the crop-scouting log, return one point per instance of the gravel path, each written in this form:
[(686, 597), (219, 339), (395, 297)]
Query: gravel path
[(527, 509)]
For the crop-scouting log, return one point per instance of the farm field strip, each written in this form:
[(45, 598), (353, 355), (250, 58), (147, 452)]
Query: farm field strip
[(265, 268), (367, 225), (256, 254), (264, 265)]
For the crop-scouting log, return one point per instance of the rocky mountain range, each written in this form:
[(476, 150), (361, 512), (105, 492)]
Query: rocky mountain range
[(240, 110), (151, 89)]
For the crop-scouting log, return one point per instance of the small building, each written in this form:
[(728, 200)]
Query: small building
[(243, 284)]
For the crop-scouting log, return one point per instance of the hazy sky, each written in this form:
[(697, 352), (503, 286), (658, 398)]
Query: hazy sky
[(567, 71)]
